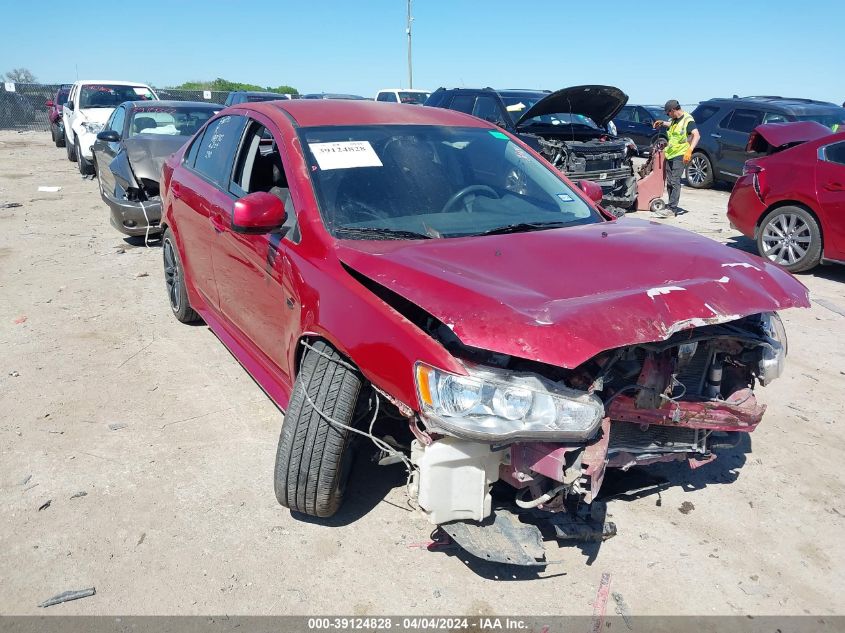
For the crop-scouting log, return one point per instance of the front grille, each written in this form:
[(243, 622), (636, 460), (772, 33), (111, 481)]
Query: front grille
[(630, 438)]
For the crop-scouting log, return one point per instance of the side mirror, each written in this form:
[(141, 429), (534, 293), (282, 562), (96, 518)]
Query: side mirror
[(257, 213), (592, 190), (69, 105), (49, 104), (108, 136)]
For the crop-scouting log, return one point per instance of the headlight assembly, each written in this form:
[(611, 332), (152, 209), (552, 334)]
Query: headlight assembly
[(493, 405), (773, 355)]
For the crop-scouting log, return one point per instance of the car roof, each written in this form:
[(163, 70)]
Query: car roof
[(173, 103), (113, 82), (324, 112), (404, 90), (256, 92), (794, 105)]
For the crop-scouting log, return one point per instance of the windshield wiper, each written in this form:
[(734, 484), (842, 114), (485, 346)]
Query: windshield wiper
[(379, 233), (523, 227)]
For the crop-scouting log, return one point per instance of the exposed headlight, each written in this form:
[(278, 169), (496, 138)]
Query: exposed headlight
[(773, 355), (492, 404), (91, 127)]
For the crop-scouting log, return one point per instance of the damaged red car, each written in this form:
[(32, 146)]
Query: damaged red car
[(420, 279)]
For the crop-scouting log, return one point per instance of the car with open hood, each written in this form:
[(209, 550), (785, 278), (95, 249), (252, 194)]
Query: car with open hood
[(90, 104), (569, 127), (423, 280), (129, 153), (790, 198)]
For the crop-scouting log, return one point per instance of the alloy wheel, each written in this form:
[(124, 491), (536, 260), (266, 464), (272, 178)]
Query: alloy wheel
[(697, 170), (786, 239), (171, 275)]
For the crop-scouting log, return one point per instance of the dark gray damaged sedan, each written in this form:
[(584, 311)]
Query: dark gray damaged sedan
[(130, 151)]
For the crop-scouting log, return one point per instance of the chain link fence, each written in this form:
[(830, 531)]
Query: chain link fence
[(25, 107)]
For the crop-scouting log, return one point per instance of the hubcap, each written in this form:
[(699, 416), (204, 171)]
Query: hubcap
[(697, 170), (171, 275), (786, 239)]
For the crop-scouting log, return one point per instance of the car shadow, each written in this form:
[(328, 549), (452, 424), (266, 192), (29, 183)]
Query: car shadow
[(138, 241), (833, 272)]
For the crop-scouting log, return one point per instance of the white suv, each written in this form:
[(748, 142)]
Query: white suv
[(88, 107), (403, 95)]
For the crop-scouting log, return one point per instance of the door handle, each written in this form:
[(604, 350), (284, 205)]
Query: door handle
[(714, 135), (218, 223), (834, 186)]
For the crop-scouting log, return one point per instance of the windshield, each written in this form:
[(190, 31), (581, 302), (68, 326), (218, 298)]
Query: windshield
[(406, 182), (517, 106), (829, 119), (417, 98), (658, 113), (109, 96), (169, 121)]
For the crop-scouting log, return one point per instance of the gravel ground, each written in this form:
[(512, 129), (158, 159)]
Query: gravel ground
[(103, 392)]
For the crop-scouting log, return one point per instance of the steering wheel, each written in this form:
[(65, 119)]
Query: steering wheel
[(477, 189)]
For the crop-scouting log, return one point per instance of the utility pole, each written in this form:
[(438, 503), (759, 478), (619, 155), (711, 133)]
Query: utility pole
[(408, 31)]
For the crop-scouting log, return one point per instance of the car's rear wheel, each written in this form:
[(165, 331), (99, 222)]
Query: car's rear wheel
[(85, 166), (174, 279), (790, 237), (314, 456), (70, 148), (700, 171)]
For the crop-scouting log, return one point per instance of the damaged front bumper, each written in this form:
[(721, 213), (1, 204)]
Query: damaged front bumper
[(675, 400), (134, 217)]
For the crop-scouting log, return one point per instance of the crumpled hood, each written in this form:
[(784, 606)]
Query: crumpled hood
[(147, 153), (94, 115), (600, 103), (561, 296)]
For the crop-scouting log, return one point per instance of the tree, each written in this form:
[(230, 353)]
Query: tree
[(224, 85), (21, 76)]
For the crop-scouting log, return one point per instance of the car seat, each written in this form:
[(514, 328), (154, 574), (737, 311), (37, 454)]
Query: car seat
[(142, 123)]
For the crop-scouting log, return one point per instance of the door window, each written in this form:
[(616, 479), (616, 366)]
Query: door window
[(743, 120), (486, 108), (704, 112), (117, 120), (216, 151), (626, 114), (774, 117), (462, 103)]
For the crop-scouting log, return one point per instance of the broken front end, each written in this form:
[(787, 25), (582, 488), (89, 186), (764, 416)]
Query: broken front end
[(548, 434)]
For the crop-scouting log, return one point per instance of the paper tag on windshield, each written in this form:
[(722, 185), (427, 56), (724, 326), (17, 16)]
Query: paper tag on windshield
[(564, 197), (345, 155), (140, 91)]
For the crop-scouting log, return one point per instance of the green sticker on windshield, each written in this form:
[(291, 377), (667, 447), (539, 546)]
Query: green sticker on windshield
[(497, 134)]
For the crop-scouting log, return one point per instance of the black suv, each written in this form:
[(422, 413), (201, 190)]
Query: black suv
[(725, 125), (569, 127)]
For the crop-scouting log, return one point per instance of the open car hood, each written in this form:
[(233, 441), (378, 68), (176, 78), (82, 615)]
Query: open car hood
[(562, 296), (600, 103), (780, 134), (147, 153)]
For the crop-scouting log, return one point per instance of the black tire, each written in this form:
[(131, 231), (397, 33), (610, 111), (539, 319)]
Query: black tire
[(174, 279), (699, 172), (70, 148), (60, 137), (53, 134), (85, 166), (314, 457), (790, 237)]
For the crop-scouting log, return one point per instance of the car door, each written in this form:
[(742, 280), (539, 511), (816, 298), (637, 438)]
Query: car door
[(67, 113), (201, 198), (104, 151), (254, 287), (731, 137), (830, 190)]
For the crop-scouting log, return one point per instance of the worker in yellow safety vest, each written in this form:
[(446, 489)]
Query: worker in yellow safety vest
[(682, 138)]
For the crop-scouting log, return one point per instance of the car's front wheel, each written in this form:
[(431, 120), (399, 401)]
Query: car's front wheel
[(70, 148), (314, 456), (174, 279), (700, 171), (790, 237), (85, 166)]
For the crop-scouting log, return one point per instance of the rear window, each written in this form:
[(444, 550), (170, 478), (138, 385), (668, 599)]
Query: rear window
[(829, 119), (462, 103), (436, 99), (704, 112)]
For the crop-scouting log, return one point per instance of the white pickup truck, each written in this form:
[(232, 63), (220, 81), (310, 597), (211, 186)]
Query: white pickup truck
[(90, 104)]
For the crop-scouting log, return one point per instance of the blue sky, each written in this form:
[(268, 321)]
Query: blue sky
[(721, 47)]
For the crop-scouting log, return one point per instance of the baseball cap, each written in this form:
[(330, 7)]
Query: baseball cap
[(672, 104)]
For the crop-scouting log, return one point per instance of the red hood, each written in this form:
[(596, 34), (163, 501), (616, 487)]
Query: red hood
[(780, 134), (562, 296)]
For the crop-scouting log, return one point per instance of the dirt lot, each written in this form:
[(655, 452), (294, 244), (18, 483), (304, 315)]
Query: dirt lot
[(102, 391)]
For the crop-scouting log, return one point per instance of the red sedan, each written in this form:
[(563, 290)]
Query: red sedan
[(418, 278), (791, 201)]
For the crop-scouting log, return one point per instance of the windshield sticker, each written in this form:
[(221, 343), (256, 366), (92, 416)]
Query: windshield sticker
[(141, 91), (497, 134), (344, 155), (516, 107), (564, 197)]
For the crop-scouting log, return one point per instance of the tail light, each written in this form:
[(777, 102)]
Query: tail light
[(759, 178)]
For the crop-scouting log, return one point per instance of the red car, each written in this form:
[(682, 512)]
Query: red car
[(420, 278), (54, 114), (791, 201)]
